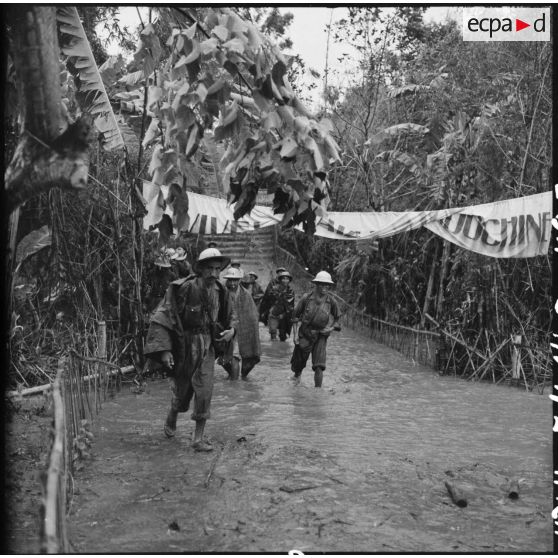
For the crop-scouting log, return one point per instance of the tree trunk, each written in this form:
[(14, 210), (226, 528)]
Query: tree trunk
[(36, 60), (43, 158)]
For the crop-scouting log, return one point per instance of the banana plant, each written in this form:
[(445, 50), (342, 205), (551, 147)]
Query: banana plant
[(90, 89)]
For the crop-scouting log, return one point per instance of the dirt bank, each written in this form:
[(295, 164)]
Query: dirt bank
[(27, 434)]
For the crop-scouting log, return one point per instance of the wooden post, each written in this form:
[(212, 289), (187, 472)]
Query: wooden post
[(54, 515), (102, 341), (512, 490), (430, 288), (516, 357), (443, 272), (456, 494), (102, 355)]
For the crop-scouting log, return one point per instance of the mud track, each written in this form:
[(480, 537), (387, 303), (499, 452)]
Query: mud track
[(358, 466)]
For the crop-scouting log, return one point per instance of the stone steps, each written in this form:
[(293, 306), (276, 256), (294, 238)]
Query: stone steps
[(255, 250)]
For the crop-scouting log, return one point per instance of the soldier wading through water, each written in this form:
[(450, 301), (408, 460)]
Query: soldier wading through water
[(316, 315), (277, 306), (193, 324), (245, 348)]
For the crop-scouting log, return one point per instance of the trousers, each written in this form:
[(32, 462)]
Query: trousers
[(304, 349), (196, 379)]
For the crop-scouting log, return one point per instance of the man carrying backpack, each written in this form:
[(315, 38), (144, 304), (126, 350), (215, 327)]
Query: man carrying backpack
[(190, 328)]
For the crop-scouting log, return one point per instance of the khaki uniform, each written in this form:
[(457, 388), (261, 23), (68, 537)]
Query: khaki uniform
[(313, 316)]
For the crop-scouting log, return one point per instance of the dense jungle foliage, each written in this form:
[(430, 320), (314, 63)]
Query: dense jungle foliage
[(429, 122), (486, 113)]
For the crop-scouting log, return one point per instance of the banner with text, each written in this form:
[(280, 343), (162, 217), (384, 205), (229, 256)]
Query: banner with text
[(516, 228)]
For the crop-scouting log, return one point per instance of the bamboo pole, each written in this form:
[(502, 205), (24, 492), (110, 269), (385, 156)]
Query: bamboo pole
[(72, 377), (443, 273), (55, 464), (102, 356), (489, 360), (46, 387), (516, 360), (62, 492), (460, 342)]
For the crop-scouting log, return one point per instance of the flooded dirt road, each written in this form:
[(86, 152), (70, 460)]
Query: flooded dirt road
[(357, 466)]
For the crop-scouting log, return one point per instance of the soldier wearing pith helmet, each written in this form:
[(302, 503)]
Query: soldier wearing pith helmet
[(191, 326), (316, 315), (245, 351)]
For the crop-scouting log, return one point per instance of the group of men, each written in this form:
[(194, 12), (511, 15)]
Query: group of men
[(200, 319)]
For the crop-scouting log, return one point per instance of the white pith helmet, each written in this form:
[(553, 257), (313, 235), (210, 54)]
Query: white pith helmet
[(233, 273), (323, 277), (212, 254)]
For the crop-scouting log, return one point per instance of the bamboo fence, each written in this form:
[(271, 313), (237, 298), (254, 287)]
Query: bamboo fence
[(512, 361), (82, 384), (54, 539)]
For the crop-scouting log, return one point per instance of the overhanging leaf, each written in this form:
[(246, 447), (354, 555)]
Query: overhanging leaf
[(289, 148), (32, 243), (221, 32), (178, 200), (155, 210), (149, 50)]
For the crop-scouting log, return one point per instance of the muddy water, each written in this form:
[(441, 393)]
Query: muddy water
[(359, 465)]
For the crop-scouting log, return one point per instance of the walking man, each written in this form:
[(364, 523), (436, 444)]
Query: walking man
[(280, 301), (250, 283), (315, 317), (190, 326), (246, 346), (267, 298)]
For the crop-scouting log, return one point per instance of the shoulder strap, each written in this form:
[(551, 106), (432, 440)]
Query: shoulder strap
[(317, 309)]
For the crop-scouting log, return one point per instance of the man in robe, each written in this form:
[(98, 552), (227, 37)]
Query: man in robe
[(245, 350)]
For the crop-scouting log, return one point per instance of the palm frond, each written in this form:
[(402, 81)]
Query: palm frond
[(91, 92)]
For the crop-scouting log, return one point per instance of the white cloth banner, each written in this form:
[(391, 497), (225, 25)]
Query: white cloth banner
[(208, 215), (516, 228)]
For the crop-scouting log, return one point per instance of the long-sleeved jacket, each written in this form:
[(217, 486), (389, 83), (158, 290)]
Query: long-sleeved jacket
[(183, 312)]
